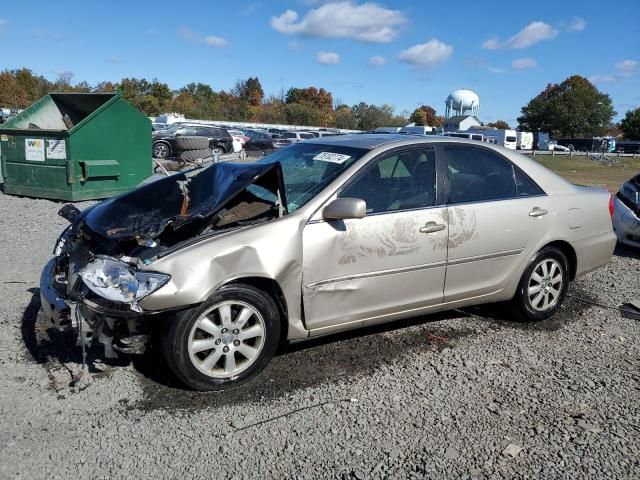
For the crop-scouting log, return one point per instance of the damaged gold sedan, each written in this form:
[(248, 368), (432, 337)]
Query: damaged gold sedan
[(231, 260)]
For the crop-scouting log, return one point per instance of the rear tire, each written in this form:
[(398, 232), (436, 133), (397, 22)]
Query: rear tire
[(543, 286), (224, 341)]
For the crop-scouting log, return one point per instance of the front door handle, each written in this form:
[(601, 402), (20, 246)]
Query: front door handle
[(538, 212), (432, 227)]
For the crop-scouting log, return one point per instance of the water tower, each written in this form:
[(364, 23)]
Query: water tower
[(462, 102)]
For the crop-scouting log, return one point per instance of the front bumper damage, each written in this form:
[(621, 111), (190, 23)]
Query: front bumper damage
[(103, 260), (116, 327)]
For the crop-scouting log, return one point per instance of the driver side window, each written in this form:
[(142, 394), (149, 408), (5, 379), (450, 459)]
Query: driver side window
[(402, 181)]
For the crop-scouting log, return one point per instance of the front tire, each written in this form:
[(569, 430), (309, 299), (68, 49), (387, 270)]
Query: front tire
[(543, 286), (225, 341)]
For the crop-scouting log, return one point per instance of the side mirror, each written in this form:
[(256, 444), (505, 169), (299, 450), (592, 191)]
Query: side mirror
[(345, 208)]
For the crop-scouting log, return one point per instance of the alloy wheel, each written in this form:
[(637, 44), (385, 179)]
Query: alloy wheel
[(226, 339), (545, 285)]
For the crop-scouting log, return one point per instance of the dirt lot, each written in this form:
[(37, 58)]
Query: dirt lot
[(458, 395), (582, 170)]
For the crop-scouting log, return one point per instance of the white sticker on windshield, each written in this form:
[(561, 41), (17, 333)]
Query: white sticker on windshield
[(332, 157)]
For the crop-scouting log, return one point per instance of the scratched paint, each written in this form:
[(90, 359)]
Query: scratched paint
[(378, 238), (462, 226)]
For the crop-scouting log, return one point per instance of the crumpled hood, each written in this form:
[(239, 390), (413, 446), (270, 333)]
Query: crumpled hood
[(180, 199)]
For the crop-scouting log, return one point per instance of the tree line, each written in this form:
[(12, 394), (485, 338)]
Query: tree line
[(572, 108)]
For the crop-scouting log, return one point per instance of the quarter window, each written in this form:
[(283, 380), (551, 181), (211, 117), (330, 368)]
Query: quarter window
[(402, 181)]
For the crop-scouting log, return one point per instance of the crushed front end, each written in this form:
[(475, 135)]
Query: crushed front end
[(103, 262)]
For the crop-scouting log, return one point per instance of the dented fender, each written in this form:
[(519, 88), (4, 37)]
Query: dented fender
[(271, 250)]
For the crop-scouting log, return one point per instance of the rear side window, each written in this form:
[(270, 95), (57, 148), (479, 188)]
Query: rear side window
[(289, 135), (478, 175), (511, 139), (307, 135)]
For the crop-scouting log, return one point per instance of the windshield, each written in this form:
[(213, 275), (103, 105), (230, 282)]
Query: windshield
[(308, 168)]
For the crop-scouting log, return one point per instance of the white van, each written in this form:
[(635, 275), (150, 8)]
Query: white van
[(524, 141), (471, 136), (506, 138)]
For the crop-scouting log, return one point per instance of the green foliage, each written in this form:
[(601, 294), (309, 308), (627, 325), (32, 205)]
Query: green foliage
[(630, 124), (368, 117), (499, 124), (572, 108), (426, 116), (244, 102)]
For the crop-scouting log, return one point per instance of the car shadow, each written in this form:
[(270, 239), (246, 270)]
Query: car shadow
[(626, 251), (47, 345), (335, 358)]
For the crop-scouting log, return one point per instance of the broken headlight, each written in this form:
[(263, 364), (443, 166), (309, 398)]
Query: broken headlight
[(115, 281)]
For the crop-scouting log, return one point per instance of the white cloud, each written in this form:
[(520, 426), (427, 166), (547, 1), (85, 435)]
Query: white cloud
[(377, 61), (294, 46), (490, 44), (530, 35), (524, 63), (496, 69), (114, 60), (626, 67), (577, 24), (426, 54), (367, 22), (328, 58), (602, 78), (214, 41)]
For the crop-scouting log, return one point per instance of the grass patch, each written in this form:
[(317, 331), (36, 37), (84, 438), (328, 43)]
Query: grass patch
[(584, 171)]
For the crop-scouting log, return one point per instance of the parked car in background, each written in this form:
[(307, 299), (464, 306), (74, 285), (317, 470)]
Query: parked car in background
[(626, 215), (504, 137), (552, 145), (469, 136), (420, 130), (386, 130), (164, 140), (323, 236), (295, 137), (239, 139), (261, 141)]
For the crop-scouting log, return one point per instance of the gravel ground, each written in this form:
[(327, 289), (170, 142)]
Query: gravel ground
[(457, 395)]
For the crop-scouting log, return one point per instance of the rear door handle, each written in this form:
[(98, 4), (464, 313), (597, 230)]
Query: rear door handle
[(432, 227), (538, 212)]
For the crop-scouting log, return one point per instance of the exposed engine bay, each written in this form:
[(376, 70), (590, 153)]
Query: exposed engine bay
[(103, 260)]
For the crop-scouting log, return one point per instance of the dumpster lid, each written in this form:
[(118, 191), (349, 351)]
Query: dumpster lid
[(60, 112)]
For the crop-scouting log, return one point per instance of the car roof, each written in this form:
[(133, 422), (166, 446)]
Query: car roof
[(370, 141)]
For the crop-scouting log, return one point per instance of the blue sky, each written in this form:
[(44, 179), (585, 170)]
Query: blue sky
[(405, 53)]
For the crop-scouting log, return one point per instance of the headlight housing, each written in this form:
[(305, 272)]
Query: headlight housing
[(116, 281)]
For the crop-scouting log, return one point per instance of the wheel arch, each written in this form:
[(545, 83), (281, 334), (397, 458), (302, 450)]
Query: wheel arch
[(569, 252), (273, 289)]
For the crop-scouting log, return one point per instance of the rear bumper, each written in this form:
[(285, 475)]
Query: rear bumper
[(594, 252)]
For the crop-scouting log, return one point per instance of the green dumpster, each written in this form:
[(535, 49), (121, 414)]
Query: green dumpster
[(76, 146)]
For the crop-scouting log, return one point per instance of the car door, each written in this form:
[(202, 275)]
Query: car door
[(392, 260), (496, 216)]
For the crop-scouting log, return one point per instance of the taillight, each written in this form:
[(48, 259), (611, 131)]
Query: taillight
[(611, 205)]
